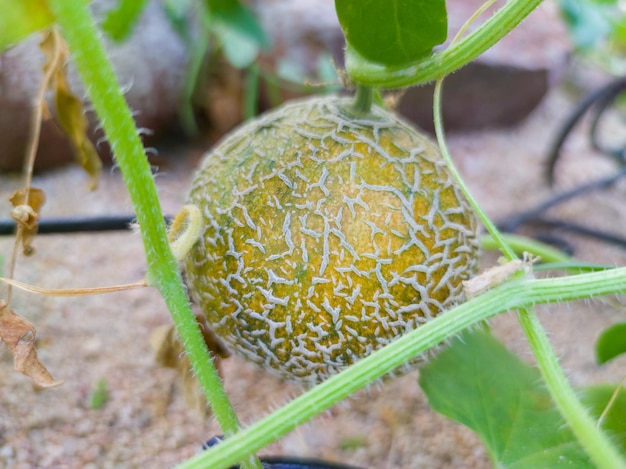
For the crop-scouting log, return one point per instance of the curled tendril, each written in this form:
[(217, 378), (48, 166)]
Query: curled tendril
[(184, 230)]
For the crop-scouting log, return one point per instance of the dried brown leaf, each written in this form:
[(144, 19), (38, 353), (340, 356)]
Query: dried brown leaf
[(19, 336), (169, 352), (26, 214)]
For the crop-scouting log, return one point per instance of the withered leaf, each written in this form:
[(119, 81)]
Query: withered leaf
[(69, 108), (169, 352), (19, 336), (73, 120), (26, 214)]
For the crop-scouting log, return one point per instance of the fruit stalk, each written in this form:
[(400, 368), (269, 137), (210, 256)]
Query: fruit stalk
[(363, 99), (96, 72)]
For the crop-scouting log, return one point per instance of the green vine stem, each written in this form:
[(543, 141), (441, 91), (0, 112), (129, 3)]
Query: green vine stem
[(519, 244), (96, 72), (512, 295), (591, 438), (551, 258), (442, 63), (595, 442)]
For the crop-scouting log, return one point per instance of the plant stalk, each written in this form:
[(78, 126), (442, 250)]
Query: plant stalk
[(594, 441), (445, 153), (442, 63), (519, 244), (96, 72)]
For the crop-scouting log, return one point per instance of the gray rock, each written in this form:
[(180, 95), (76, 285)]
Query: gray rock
[(151, 66)]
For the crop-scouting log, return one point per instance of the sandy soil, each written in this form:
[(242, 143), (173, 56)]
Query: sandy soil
[(145, 421)]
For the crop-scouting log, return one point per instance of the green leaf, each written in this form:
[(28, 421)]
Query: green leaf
[(479, 383), (589, 22), (611, 343), (233, 15), (21, 18), (393, 32), (120, 21), (99, 395), (177, 12), (240, 50)]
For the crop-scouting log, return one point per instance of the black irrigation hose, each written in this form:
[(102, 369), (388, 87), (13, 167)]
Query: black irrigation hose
[(604, 102), (602, 98), (582, 230), (528, 216), (599, 100), (76, 225)]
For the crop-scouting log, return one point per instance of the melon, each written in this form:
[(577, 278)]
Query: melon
[(326, 234)]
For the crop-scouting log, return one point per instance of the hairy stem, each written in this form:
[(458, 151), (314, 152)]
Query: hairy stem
[(594, 441), (95, 70)]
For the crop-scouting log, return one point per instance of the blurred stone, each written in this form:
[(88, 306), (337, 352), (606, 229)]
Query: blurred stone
[(150, 66)]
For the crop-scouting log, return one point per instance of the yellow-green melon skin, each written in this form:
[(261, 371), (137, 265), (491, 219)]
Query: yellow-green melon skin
[(325, 236)]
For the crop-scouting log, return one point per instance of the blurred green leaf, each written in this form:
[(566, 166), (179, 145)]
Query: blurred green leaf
[(20, 18), (177, 13), (234, 16), (479, 383), (611, 343), (121, 21), (393, 32), (240, 49), (326, 70), (352, 443), (589, 21), (100, 395)]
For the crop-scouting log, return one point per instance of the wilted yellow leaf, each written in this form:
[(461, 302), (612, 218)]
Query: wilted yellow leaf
[(69, 108), (72, 118)]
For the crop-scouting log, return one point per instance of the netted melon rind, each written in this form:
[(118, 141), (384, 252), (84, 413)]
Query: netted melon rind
[(326, 236)]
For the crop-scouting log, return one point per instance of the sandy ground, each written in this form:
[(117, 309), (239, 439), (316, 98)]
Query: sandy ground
[(145, 421)]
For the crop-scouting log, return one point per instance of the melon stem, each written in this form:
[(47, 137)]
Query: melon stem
[(363, 99)]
